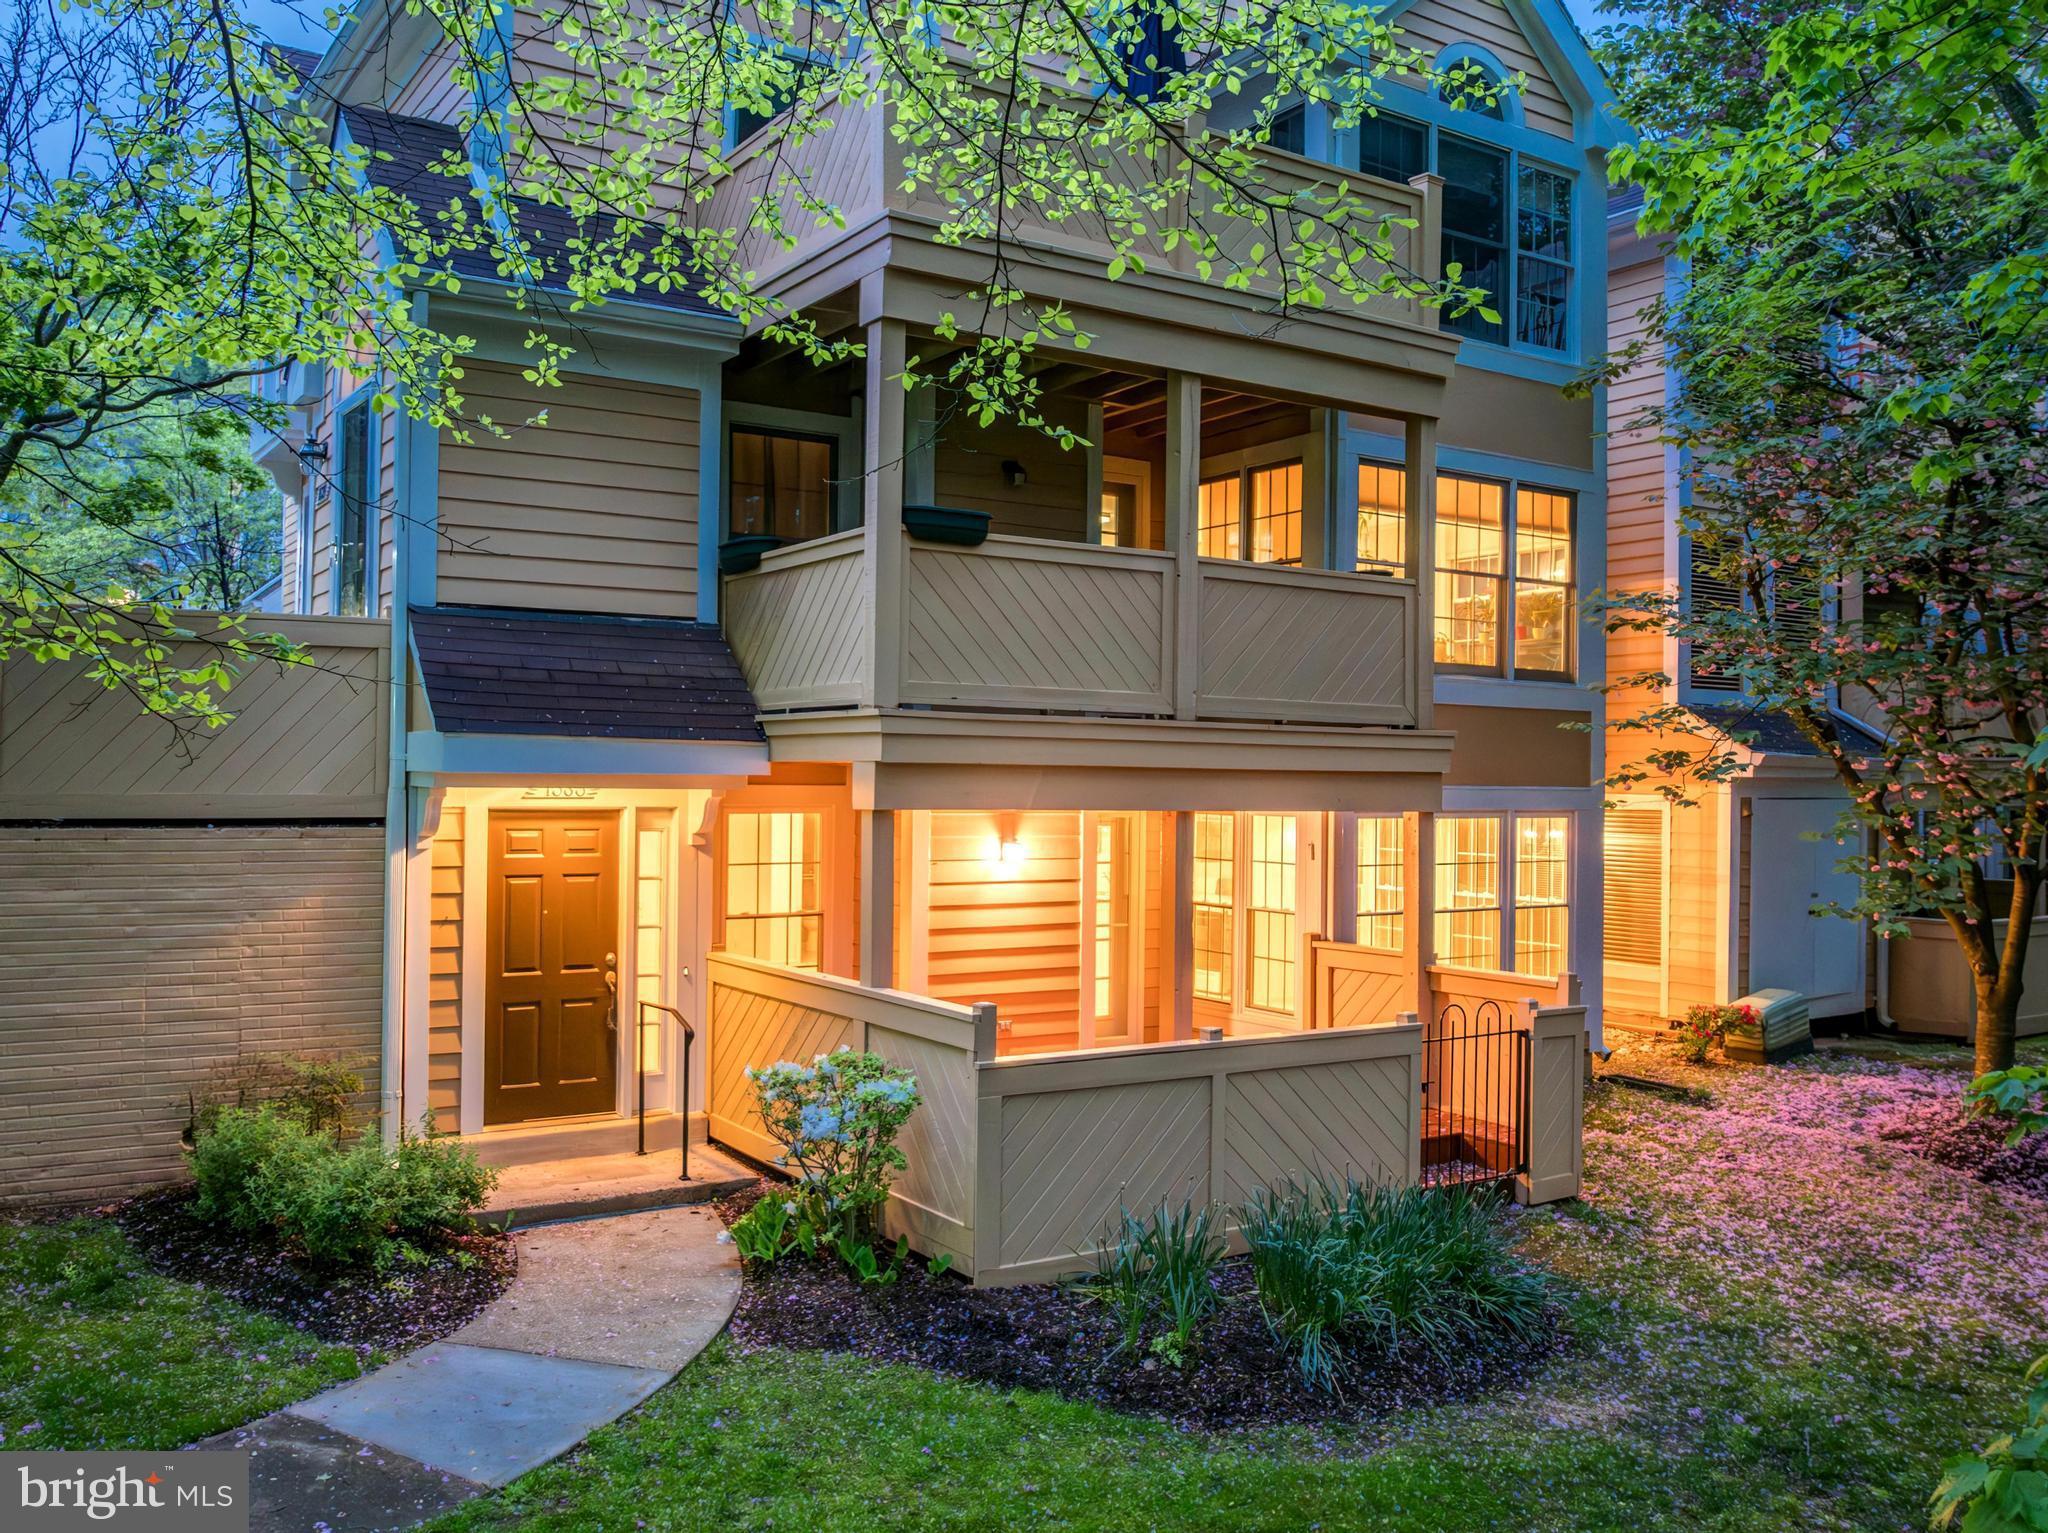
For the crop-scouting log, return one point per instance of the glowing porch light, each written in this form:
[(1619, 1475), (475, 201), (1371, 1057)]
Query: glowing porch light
[(1006, 847)]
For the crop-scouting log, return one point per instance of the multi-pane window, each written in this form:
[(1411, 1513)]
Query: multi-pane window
[(1471, 563), (1541, 914), (1468, 908), (1543, 581), (1475, 582), (1382, 517), (1476, 230), (1215, 888), (1276, 514), (1255, 514), (1382, 881), (772, 888), (781, 484), (1117, 517), (1543, 256), (1218, 530), (1527, 274), (1269, 913)]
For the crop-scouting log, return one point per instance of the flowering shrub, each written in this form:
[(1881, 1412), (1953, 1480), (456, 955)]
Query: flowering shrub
[(1705, 1026), (836, 1119)]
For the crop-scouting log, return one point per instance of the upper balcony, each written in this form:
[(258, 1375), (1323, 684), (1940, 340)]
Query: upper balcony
[(1197, 559)]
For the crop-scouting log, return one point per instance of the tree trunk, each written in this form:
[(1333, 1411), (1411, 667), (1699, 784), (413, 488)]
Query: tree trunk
[(1998, 1007)]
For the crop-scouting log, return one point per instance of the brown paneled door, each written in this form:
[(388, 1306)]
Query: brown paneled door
[(551, 1025)]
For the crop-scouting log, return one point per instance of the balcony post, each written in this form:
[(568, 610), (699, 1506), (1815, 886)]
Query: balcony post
[(877, 956), (1343, 922), (882, 540), (1180, 990), (1418, 923), (1419, 456), (1426, 242), (1183, 523)]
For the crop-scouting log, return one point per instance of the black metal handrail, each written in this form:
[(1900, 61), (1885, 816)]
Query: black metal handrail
[(640, 1075)]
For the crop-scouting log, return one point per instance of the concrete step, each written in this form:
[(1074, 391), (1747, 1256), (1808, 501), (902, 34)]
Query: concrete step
[(611, 1184)]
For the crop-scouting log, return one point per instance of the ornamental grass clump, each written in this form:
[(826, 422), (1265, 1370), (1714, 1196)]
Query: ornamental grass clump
[(836, 1119), (1154, 1272), (1349, 1267)]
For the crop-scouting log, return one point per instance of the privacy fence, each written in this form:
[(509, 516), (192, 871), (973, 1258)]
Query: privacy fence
[(1018, 1165)]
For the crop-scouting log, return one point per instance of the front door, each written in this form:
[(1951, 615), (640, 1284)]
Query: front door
[(551, 1023)]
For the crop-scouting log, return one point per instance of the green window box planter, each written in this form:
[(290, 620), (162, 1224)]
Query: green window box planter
[(736, 556), (946, 524)]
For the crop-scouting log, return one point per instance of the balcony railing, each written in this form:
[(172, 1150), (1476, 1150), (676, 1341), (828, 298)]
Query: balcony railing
[(1025, 623)]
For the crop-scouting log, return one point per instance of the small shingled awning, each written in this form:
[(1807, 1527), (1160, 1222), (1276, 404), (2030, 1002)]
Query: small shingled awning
[(494, 672)]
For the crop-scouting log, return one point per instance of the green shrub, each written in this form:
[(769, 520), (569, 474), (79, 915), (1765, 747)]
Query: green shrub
[(1343, 1266), (2004, 1489), (357, 1205), (1704, 1026), (1153, 1273), (232, 1147)]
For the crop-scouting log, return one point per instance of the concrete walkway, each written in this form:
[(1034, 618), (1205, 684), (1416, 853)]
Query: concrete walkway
[(603, 1313)]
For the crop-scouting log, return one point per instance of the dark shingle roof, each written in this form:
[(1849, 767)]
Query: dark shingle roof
[(549, 673), (405, 152), (1774, 734), (302, 62)]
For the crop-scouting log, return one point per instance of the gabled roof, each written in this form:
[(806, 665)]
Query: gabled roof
[(404, 153), (1775, 735), (496, 672)]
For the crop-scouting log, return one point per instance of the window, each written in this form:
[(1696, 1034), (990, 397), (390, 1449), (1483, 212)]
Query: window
[(1276, 514), (1470, 564), (1473, 584), (1476, 229), (352, 514), (1289, 130), (1392, 148), (1543, 582), (1540, 884), (1382, 881), (1468, 90), (1382, 517), (1632, 871), (772, 909), (1214, 893), (1269, 914), (1117, 517), (1468, 908), (1258, 509), (1527, 275), (781, 484), (1707, 591), (1543, 255), (1218, 534)]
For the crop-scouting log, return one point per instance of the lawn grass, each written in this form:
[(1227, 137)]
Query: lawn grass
[(1782, 1322), (97, 1351)]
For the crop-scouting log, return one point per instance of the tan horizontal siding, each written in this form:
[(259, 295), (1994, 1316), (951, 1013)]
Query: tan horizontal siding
[(444, 975), (596, 511), (1636, 494), (1014, 940), (1434, 25), (134, 961)]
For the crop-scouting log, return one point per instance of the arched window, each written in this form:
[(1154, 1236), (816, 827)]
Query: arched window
[(1471, 86)]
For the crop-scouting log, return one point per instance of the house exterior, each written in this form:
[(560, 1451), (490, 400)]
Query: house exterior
[(1250, 720), (1717, 899)]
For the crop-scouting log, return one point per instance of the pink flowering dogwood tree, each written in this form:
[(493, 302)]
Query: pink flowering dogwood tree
[(1859, 360)]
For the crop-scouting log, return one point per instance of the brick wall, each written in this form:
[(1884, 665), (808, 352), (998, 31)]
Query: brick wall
[(135, 959)]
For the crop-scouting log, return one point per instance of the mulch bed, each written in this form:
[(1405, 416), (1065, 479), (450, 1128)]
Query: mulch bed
[(1043, 1336), (1943, 1133), (395, 1311)]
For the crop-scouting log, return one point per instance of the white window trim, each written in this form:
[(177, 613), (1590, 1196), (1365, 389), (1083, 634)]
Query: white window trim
[(1505, 873)]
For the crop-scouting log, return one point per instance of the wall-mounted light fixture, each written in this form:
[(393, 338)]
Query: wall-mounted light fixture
[(312, 457), (1006, 857), (1013, 473)]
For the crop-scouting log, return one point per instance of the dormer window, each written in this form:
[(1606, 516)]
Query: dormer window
[(1473, 88)]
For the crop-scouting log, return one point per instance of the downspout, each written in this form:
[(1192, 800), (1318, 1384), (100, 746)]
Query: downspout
[(397, 843)]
